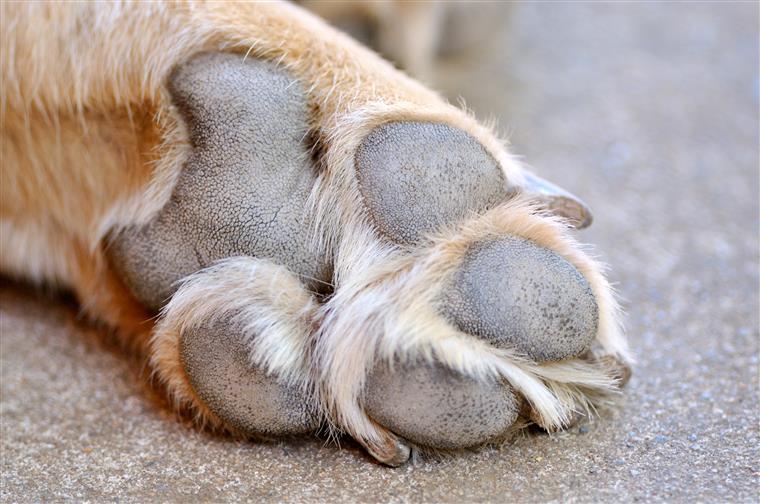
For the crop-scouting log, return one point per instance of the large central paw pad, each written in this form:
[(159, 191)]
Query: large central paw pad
[(244, 188)]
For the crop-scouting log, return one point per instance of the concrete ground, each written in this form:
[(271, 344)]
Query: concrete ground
[(650, 112)]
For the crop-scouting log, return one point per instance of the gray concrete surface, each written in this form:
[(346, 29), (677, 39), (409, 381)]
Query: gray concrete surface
[(649, 112)]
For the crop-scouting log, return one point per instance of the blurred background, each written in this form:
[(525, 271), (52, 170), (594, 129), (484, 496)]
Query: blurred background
[(650, 113)]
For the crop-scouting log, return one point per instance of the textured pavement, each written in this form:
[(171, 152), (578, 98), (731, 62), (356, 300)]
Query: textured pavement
[(650, 113)]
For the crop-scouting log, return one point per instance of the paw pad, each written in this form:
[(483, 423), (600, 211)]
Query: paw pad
[(433, 406), (216, 361), (513, 293), (415, 177)]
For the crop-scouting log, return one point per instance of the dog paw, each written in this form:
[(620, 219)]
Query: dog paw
[(402, 279), (464, 309)]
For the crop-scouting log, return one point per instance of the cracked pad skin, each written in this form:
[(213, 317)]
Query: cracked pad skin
[(243, 190)]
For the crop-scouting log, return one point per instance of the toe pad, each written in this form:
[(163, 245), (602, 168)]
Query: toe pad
[(415, 177), (435, 407), (513, 293), (216, 362)]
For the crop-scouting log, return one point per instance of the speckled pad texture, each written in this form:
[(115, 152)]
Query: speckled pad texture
[(433, 406), (216, 361), (647, 110), (416, 177), (515, 294), (244, 188)]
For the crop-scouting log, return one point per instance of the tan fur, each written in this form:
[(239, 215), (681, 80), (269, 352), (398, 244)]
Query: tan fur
[(91, 143)]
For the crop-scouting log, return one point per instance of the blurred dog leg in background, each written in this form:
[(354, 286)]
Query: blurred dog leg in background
[(417, 35)]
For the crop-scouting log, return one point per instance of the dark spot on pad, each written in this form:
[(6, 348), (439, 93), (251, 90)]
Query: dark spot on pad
[(243, 190), (216, 362), (434, 406), (416, 177), (513, 293)]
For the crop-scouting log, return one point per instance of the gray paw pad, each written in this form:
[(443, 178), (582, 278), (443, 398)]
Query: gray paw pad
[(513, 293), (433, 406), (416, 177), (244, 189), (216, 362)]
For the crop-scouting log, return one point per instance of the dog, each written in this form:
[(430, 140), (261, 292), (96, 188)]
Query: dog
[(293, 233)]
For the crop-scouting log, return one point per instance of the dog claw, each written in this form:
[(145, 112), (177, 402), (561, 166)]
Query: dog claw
[(558, 201), (392, 451)]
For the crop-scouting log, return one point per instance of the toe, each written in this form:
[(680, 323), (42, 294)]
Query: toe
[(516, 294), (216, 362), (415, 177), (433, 406)]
